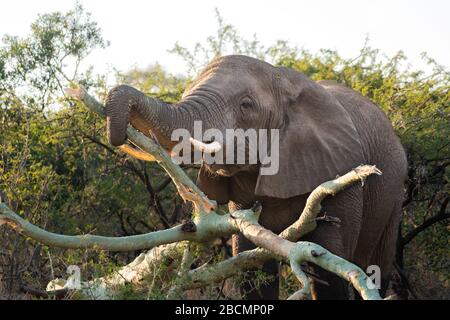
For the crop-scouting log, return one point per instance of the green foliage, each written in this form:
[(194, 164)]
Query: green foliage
[(38, 64), (57, 169)]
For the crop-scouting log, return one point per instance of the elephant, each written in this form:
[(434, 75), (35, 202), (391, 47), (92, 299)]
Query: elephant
[(325, 129)]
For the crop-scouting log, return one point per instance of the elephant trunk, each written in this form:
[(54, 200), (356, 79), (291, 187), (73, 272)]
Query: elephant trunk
[(125, 104)]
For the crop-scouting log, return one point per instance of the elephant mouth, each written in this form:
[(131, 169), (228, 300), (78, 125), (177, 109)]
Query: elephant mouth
[(223, 170), (229, 170), (225, 173)]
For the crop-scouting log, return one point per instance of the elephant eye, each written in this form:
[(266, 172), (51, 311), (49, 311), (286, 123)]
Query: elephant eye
[(246, 103)]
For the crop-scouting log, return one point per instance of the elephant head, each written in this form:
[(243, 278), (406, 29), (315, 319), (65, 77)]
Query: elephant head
[(317, 138)]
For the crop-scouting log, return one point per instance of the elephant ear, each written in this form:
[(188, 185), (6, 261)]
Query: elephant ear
[(318, 141), (214, 186)]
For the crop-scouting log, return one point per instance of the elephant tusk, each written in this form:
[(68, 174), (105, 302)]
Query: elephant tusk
[(206, 147)]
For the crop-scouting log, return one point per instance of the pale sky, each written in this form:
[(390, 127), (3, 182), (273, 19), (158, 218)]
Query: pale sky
[(141, 32)]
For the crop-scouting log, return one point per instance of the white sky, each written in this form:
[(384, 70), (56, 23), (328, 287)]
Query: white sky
[(141, 32)]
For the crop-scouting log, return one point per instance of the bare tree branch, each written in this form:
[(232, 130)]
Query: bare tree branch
[(441, 215)]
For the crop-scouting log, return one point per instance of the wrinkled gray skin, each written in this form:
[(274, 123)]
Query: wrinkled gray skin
[(325, 129)]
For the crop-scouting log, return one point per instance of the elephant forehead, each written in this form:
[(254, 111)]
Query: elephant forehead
[(198, 82), (232, 84), (233, 74)]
